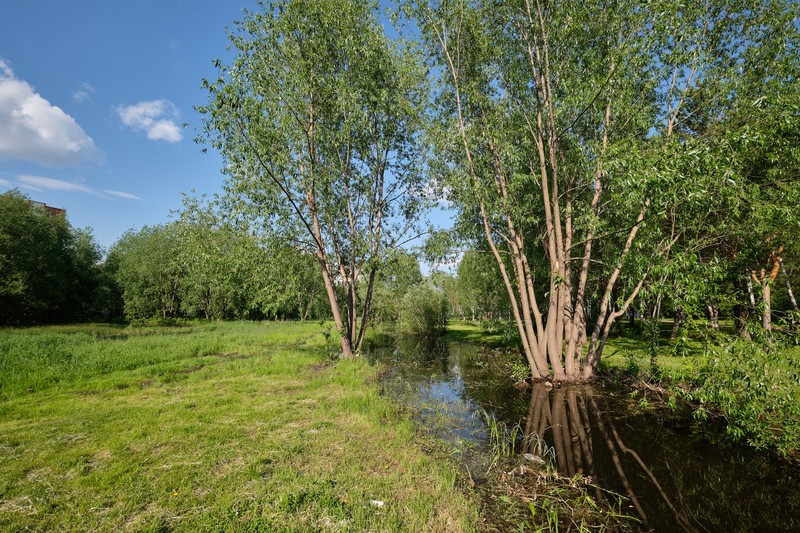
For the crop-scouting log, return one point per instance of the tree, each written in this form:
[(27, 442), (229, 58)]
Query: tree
[(316, 121), (423, 310), (220, 264), (480, 288), (572, 133), (398, 274), (149, 271), (48, 269), (288, 284)]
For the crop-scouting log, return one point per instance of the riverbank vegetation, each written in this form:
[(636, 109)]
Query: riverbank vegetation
[(751, 389), (623, 185)]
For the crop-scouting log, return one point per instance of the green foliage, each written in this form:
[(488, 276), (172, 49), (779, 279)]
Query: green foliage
[(202, 267), (503, 440), (555, 126), (755, 390), (149, 271), (318, 122), (48, 269), (479, 288), (399, 272), (423, 310)]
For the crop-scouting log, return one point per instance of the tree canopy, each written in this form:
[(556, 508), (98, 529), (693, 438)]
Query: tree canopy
[(48, 270), (592, 145), (317, 121)]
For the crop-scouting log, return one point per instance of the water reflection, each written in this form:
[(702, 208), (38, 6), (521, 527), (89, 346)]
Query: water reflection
[(571, 420), (673, 476)]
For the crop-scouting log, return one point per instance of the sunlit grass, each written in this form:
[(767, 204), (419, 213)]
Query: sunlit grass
[(243, 426)]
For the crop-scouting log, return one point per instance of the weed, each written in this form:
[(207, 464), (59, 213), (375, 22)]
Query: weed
[(502, 438)]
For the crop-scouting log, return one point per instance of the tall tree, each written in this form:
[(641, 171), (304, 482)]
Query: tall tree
[(149, 271), (566, 133), (316, 121)]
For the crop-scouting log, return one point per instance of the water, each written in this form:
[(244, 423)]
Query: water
[(674, 476)]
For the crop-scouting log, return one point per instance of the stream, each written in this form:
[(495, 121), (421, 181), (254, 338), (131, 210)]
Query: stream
[(673, 475)]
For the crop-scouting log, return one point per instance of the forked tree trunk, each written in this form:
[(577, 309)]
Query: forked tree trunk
[(347, 350), (765, 279), (551, 335)]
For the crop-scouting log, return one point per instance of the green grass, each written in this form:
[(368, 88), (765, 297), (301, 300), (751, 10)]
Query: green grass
[(217, 427), (468, 331)]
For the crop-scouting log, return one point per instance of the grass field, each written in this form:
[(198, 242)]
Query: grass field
[(213, 427)]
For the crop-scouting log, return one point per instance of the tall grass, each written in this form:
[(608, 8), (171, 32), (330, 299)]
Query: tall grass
[(212, 427), (35, 359)]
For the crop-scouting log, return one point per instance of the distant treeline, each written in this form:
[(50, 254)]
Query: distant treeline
[(49, 271), (193, 268), (52, 272)]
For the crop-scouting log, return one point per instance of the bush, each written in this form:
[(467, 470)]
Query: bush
[(423, 310), (754, 388)]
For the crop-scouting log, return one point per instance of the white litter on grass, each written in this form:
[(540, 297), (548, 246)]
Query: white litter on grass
[(376, 503), (534, 458)]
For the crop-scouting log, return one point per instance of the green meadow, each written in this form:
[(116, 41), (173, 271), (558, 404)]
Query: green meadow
[(214, 427)]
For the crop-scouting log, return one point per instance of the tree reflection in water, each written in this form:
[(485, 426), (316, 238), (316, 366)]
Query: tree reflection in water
[(674, 477), (561, 416)]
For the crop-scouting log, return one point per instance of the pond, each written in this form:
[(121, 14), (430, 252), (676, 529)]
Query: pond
[(673, 476)]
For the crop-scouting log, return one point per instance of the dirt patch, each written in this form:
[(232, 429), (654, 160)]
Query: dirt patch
[(319, 367), (21, 504)]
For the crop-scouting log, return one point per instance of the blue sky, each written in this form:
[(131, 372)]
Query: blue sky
[(93, 98)]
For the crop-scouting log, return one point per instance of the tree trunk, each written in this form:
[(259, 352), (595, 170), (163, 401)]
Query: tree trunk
[(713, 316), (788, 287), (766, 316), (307, 310), (347, 350), (740, 321), (791, 295), (680, 318), (750, 293)]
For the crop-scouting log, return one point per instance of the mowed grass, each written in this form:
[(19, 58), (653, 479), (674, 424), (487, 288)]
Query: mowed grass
[(213, 427)]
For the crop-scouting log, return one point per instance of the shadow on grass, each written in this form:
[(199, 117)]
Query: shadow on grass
[(465, 331)]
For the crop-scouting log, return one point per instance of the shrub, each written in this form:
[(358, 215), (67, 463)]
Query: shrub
[(754, 388), (423, 310)]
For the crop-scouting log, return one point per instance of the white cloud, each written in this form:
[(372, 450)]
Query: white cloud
[(32, 129), (42, 184), (39, 183), (120, 194), (83, 93), (156, 118)]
